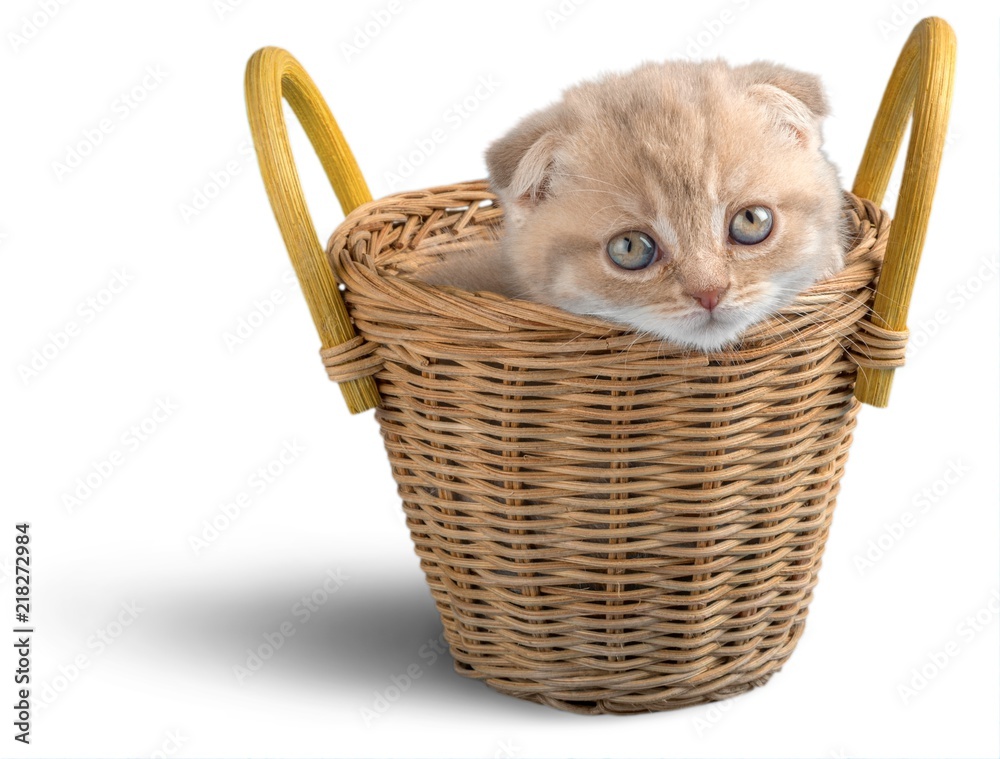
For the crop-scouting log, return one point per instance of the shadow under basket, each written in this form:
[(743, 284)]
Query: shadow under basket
[(607, 523)]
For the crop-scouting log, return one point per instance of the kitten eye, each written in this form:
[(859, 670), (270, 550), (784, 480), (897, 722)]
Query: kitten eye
[(632, 250), (751, 225)]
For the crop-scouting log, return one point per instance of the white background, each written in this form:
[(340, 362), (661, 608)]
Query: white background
[(165, 682)]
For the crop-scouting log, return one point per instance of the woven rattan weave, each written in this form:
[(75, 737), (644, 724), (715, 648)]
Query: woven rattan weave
[(607, 523)]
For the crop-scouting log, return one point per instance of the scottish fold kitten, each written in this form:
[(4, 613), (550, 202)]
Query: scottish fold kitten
[(686, 200)]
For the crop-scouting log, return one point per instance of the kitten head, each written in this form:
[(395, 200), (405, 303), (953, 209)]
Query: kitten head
[(687, 200)]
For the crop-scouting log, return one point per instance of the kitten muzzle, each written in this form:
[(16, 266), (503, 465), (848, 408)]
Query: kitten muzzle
[(710, 298)]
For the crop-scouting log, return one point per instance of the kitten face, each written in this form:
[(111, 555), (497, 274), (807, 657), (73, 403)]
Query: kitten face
[(667, 156)]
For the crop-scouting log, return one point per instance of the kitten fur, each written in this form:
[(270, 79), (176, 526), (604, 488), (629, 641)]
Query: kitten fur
[(673, 150)]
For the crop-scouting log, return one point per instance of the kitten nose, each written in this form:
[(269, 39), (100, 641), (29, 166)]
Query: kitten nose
[(709, 299)]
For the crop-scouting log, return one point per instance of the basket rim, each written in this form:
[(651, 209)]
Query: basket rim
[(361, 273)]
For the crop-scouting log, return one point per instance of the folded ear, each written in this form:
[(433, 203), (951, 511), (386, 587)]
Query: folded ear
[(795, 98), (521, 162)]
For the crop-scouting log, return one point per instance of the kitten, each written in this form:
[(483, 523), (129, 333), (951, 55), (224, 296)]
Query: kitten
[(686, 200)]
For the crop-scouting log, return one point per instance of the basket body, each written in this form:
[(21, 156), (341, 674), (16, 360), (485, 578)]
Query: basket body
[(606, 523)]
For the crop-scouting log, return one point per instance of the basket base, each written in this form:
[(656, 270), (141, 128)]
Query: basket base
[(623, 707), (748, 672)]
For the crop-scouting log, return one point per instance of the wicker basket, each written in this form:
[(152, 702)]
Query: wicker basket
[(607, 523)]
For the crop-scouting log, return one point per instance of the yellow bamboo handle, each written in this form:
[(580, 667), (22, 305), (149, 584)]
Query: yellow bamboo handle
[(921, 85), (272, 73)]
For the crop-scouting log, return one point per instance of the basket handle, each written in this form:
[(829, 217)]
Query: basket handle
[(921, 85), (273, 74)]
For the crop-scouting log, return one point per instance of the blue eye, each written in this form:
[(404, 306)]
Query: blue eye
[(632, 250), (751, 225)]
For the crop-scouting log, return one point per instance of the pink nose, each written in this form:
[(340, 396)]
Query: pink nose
[(709, 299)]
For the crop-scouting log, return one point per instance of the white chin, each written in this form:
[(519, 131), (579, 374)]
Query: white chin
[(698, 330), (705, 332)]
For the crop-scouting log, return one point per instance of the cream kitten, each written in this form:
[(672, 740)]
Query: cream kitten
[(686, 200)]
